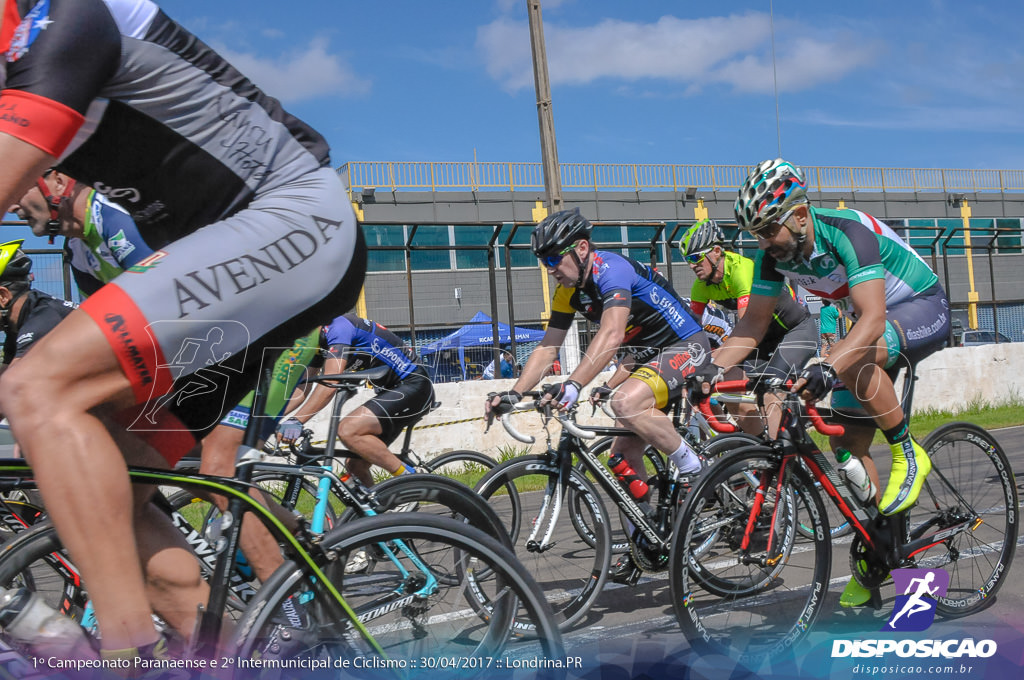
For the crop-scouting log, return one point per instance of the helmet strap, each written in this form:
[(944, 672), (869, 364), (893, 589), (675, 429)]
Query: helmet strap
[(54, 203), (579, 264), (5, 310)]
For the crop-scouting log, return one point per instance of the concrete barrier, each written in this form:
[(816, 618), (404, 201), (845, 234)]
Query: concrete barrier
[(953, 379)]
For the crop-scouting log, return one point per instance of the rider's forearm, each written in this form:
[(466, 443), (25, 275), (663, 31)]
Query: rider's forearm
[(321, 396), (734, 350), (537, 363), (622, 372)]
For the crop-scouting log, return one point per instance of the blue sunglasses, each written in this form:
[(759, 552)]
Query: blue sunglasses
[(552, 261)]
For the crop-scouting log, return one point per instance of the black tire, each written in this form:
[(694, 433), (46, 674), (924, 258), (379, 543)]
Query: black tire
[(570, 571), (744, 604), (464, 465), (407, 627), (18, 513), (972, 479), (435, 495), (36, 560)]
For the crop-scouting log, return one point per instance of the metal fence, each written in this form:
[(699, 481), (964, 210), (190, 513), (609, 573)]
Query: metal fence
[(476, 176), (511, 292)]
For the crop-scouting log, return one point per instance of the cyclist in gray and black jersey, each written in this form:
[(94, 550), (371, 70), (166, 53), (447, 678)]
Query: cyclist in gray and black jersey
[(896, 301), (255, 240)]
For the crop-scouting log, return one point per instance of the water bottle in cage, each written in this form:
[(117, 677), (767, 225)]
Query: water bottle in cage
[(852, 470)]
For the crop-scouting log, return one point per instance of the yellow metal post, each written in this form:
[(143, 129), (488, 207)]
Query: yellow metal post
[(361, 304), (538, 213), (699, 211), (972, 294), (842, 205)]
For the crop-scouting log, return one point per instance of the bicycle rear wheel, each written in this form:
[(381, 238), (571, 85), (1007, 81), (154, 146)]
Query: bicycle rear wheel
[(569, 570), (435, 495), (35, 559), (971, 481), (411, 597), (751, 604), (464, 465)]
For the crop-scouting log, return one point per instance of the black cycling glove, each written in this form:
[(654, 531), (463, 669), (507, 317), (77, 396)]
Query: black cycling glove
[(820, 377), (600, 394), (709, 373), (509, 398)]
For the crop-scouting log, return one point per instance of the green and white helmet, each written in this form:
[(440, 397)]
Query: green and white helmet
[(702, 236), (771, 190)]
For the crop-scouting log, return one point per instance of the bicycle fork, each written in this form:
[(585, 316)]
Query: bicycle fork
[(771, 556), (551, 507)]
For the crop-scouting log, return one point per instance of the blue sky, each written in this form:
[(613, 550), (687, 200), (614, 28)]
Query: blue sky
[(905, 84)]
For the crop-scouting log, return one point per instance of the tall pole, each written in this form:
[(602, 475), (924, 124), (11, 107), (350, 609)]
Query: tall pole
[(549, 161), (548, 149), (775, 77)]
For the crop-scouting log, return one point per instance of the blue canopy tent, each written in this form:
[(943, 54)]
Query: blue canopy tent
[(479, 332)]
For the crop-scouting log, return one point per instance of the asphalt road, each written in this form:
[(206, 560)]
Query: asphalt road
[(631, 632)]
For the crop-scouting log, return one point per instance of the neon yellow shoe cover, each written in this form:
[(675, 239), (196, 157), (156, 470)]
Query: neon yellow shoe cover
[(910, 465), (854, 595)]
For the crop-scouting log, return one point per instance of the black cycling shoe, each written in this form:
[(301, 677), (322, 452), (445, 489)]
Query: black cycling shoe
[(625, 571)]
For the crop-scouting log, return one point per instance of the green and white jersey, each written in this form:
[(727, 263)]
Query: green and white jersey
[(850, 247), (110, 243)]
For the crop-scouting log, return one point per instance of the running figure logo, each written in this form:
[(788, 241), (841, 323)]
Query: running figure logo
[(915, 608)]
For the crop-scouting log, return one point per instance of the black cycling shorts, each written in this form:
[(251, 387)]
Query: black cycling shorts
[(403, 405)]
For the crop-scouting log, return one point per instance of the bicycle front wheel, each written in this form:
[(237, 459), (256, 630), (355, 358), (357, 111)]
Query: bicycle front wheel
[(971, 484), (569, 569), (409, 593), (743, 582)]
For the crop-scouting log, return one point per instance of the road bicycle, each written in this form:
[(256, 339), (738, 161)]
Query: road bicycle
[(570, 559), (311, 488), (434, 586), (311, 484), (746, 585)]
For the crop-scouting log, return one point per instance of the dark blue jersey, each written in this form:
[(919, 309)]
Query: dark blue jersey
[(658, 316), (365, 344)]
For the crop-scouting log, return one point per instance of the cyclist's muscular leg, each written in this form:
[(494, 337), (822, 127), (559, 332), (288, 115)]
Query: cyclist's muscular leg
[(635, 407), (360, 432), (863, 374), (48, 396), (174, 584)]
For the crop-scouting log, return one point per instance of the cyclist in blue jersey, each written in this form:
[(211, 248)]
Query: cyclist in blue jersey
[(639, 311), (404, 395), (859, 263)]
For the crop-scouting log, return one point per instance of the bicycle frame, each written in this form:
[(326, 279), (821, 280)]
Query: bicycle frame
[(237, 493), (571, 444), (888, 536)]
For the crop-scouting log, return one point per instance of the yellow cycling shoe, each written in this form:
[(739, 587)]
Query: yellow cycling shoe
[(910, 465)]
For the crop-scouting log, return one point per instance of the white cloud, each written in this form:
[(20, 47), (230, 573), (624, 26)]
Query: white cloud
[(732, 50), (298, 76)]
